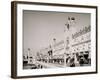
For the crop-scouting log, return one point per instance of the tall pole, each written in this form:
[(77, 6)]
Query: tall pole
[(54, 41), (68, 39), (28, 55)]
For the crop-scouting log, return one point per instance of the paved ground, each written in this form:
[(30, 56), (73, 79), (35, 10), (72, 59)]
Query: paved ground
[(50, 65)]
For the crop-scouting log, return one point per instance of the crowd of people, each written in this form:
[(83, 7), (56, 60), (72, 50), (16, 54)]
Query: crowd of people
[(76, 59), (66, 59)]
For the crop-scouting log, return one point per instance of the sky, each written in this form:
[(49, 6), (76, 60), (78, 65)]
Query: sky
[(41, 27)]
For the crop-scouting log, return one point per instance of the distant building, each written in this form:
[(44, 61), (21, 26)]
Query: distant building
[(28, 57)]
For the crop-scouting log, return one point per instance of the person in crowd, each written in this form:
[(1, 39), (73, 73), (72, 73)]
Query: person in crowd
[(72, 62)]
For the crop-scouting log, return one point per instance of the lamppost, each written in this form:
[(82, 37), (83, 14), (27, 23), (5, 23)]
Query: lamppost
[(28, 55), (54, 39), (68, 36), (54, 44)]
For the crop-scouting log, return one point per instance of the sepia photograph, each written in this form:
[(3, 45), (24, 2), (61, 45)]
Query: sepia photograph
[(56, 39)]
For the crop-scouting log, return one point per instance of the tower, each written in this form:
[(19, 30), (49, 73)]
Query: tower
[(68, 30)]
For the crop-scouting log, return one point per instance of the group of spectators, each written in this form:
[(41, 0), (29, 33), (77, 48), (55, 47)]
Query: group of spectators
[(76, 59)]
